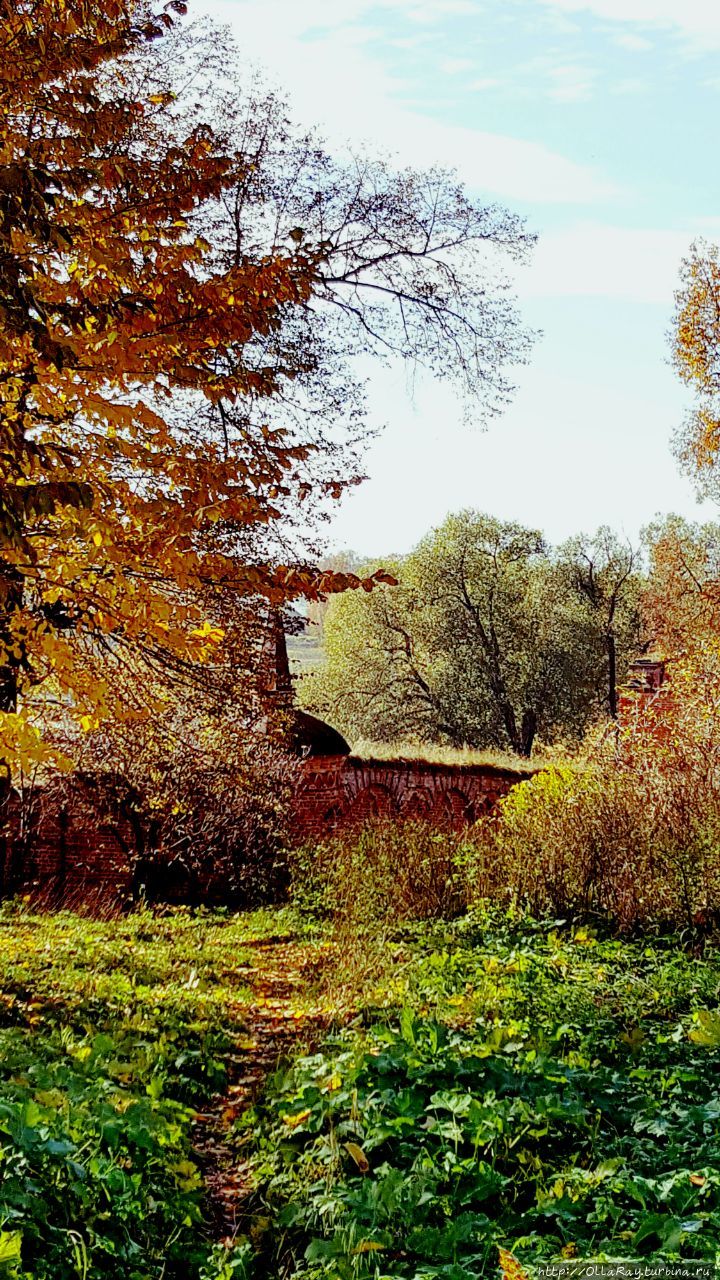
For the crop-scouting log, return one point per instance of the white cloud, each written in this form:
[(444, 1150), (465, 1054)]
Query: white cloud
[(455, 66), (698, 19), (431, 11), (630, 86), (317, 53), (638, 44), (484, 83), (591, 260), (571, 83)]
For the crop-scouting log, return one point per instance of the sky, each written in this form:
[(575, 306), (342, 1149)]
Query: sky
[(594, 119)]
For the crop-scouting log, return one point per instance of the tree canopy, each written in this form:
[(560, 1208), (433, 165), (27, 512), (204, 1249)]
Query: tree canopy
[(604, 572), (682, 597), (185, 284), (696, 351), (489, 639)]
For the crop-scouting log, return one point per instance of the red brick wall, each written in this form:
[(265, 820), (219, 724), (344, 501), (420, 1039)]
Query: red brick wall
[(71, 843), (75, 843), (339, 792)]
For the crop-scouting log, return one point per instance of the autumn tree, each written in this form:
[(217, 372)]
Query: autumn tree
[(485, 642), (681, 600), (696, 351), (182, 280), (108, 311)]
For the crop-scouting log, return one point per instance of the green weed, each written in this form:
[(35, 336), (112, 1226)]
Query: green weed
[(524, 1085)]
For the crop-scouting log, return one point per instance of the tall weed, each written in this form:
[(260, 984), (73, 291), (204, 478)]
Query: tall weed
[(367, 882), (638, 845)]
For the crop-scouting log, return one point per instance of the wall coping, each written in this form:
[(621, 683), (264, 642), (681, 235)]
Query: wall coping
[(405, 764)]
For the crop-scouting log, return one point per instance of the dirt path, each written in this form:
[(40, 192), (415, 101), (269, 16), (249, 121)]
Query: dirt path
[(280, 1018)]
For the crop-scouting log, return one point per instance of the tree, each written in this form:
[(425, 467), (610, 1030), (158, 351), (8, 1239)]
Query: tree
[(162, 304), (604, 573), (106, 503), (696, 351), (485, 642), (682, 597)]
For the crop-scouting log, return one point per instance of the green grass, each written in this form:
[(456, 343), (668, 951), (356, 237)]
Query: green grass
[(506, 1082), (112, 1033), (511, 1085)]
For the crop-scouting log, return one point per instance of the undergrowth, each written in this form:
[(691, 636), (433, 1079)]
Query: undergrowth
[(493, 1080), (112, 1035), (508, 1084)]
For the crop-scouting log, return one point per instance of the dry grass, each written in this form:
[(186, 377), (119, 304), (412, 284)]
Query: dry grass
[(433, 753)]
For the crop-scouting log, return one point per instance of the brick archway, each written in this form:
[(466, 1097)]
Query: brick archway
[(417, 804), (452, 806), (374, 801)]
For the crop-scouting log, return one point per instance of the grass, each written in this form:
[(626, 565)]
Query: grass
[(112, 1035), (432, 753), (501, 1082)]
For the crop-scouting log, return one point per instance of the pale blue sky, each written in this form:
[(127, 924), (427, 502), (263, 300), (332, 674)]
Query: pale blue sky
[(595, 119)]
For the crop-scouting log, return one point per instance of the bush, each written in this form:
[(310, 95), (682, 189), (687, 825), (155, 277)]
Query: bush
[(633, 842), (366, 883), (632, 831), (528, 1087), (208, 801), (383, 873)]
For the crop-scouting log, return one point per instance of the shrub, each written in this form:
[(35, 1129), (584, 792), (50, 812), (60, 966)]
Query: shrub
[(383, 872), (207, 799), (632, 842), (532, 1088), (633, 829), (368, 881)]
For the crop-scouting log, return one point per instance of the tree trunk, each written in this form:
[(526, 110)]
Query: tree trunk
[(612, 675), (508, 715), (11, 596), (11, 600), (529, 729)]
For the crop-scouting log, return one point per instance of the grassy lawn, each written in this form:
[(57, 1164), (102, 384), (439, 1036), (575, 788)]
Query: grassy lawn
[(504, 1083)]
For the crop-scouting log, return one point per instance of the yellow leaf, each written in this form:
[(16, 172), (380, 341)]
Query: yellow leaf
[(297, 1119), (510, 1267), (358, 1155)]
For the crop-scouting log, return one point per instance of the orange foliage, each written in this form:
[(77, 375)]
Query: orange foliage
[(682, 594), (696, 350), (121, 505)]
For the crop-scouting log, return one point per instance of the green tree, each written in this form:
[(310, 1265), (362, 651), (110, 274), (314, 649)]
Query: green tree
[(486, 641), (604, 573)]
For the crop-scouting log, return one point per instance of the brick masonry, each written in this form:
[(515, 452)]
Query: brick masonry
[(337, 792), (82, 844), (71, 844), (81, 840)]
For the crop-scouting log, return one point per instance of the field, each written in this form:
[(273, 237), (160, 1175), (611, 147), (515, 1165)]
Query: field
[(509, 1083)]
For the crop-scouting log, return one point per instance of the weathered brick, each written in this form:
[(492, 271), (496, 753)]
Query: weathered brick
[(338, 792)]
